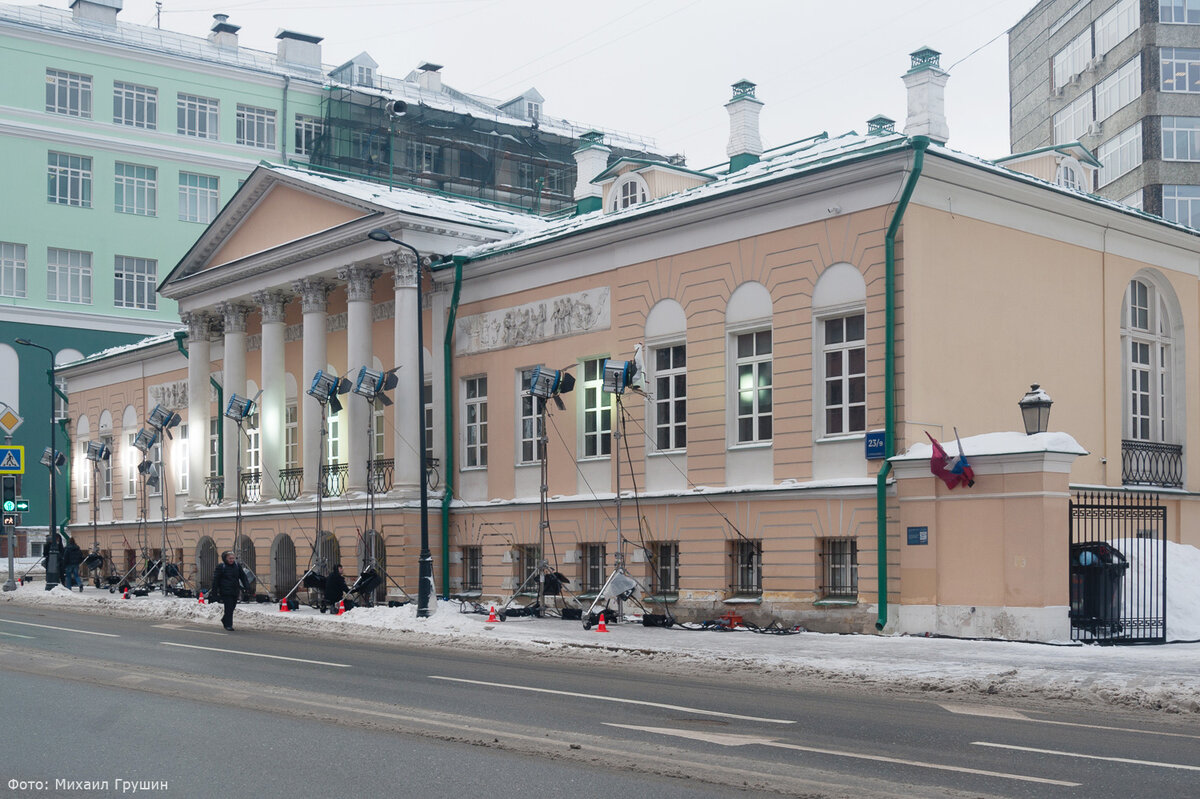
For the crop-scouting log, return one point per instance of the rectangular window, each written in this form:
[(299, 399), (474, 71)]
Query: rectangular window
[(1072, 121), (556, 181), (529, 562), (68, 276), (1120, 154), (1140, 407), (135, 106), (1180, 69), (597, 411), (746, 556), (255, 126), (379, 434), (475, 423), (845, 376), (106, 471), (1179, 12), (1119, 89), (69, 179), (134, 282), (85, 469), (69, 93), (369, 147), (533, 110), (60, 401), (754, 400), (526, 175), (670, 397), (1180, 139), (530, 426), (839, 568), (665, 567), (594, 556), (291, 436), (421, 157), (183, 464), (1115, 24), (364, 75), (135, 189), (12, 269), (197, 116), (1134, 200), (333, 439), (155, 457), (1182, 204), (133, 457), (253, 460), (214, 447), (1072, 59), (308, 130), (472, 560), (198, 197)]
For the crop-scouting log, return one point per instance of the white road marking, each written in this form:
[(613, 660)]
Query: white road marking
[(15, 635), (989, 711), (257, 655), (1016, 715), (726, 739), (1086, 757), (618, 699), (62, 629), (181, 628)]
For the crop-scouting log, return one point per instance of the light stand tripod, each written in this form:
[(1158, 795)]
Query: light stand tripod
[(325, 389), (97, 452), (163, 420), (239, 409), (371, 385)]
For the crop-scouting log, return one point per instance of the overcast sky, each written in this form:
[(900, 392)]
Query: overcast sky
[(663, 68)]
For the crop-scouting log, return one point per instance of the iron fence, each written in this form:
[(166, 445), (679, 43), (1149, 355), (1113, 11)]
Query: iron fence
[(1151, 463), (381, 474), (291, 482)]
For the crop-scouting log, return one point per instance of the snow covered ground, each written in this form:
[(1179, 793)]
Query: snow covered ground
[(1157, 677)]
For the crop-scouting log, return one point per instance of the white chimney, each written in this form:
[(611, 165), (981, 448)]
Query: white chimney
[(926, 84), (745, 145), (102, 11), (224, 34), (429, 76), (298, 49), (591, 158)]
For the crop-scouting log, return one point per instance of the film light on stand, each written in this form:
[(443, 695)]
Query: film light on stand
[(163, 420), (325, 388), (145, 439), (618, 375), (239, 408), (98, 451), (548, 383), (372, 383), (58, 458)]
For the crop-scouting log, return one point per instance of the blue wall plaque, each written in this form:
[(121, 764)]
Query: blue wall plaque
[(918, 536), (874, 444)]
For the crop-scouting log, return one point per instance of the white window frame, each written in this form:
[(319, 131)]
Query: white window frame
[(530, 427), (421, 156), (182, 462), (1113, 26), (214, 446), (333, 440), (1134, 200), (86, 468), (843, 384), (670, 397), (253, 461), (1120, 155), (308, 130), (68, 280), (1148, 354), (135, 189), (135, 106), (199, 117), (199, 197), (1072, 59), (68, 93), (427, 401), (1179, 12), (364, 75), (291, 435), (1177, 131), (14, 269), (1119, 89), (1072, 121), (133, 456), (1070, 174), (755, 416), (475, 422), (379, 431), (596, 411), (106, 469), (746, 558), (69, 179), (631, 189), (1179, 64), (255, 126), (1181, 204), (134, 282)]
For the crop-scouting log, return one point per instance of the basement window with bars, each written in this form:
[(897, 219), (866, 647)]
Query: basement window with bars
[(839, 568), (746, 558)]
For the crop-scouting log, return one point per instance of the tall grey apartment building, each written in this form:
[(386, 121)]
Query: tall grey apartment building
[(1121, 77)]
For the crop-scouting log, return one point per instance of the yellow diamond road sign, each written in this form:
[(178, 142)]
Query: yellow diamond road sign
[(9, 420)]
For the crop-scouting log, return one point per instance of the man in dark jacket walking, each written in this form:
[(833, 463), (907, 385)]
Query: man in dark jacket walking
[(72, 557), (228, 579)]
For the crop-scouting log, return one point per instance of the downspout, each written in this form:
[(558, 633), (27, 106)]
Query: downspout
[(179, 337), (919, 144), (287, 82), (447, 394)]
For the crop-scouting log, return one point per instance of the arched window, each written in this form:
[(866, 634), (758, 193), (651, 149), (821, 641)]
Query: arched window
[(1070, 175), (631, 189), (748, 318), (1152, 361)]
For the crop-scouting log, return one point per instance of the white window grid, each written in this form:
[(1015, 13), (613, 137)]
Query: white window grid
[(670, 397), (557, 181), (134, 282), (420, 156), (68, 276), (69, 179), (1182, 204), (1072, 59), (533, 110), (1119, 89), (753, 389), (155, 456), (253, 460), (1180, 69), (1180, 139), (1148, 339), (1179, 12), (529, 426), (197, 116), (839, 570), (135, 189), (69, 93), (368, 147), (1134, 200), (845, 374), (597, 411), (291, 435), (475, 418), (379, 432), (106, 470), (214, 447), (333, 439), (526, 175), (629, 192), (199, 196), (13, 266), (1070, 175), (364, 75), (85, 472), (1115, 24), (60, 404), (1072, 121), (183, 464), (255, 126), (308, 131), (1120, 154), (133, 456), (135, 106)]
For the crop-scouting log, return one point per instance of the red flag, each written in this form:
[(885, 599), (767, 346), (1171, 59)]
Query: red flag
[(937, 465)]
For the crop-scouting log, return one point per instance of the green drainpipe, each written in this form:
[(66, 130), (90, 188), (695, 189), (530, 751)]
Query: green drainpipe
[(179, 337), (448, 369), (919, 143)]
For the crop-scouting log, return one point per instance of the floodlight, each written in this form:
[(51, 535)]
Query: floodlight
[(239, 408), (545, 383), (618, 375), (163, 420), (371, 384), (149, 470), (59, 458), (98, 451), (325, 388), (145, 439)]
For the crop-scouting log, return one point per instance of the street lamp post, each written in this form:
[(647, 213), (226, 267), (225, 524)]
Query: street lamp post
[(425, 562), (52, 543)]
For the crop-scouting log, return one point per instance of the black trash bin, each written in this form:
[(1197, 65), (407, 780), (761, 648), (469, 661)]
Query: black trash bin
[(1097, 569)]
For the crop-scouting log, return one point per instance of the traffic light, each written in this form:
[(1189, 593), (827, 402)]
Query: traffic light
[(10, 493)]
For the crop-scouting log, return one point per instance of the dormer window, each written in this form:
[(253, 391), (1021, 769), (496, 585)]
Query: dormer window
[(364, 75), (1070, 175), (630, 190), (533, 110)]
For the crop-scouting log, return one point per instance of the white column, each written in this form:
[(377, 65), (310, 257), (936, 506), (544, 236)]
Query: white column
[(199, 359), (359, 280), (234, 382), (314, 297), (408, 394), (274, 398)]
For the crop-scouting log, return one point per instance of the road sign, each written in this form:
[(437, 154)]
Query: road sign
[(9, 420), (22, 505), (12, 520), (12, 460)]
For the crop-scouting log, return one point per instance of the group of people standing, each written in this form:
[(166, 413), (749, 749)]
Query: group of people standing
[(229, 580)]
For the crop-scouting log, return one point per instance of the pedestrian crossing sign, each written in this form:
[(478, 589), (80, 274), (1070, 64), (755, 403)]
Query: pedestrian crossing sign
[(12, 460)]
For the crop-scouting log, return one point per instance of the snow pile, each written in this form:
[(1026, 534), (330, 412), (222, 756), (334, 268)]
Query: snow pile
[(1183, 598)]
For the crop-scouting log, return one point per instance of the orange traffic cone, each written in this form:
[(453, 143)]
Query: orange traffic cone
[(202, 598), (600, 628), (283, 606), (125, 595), (492, 614), (341, 607)]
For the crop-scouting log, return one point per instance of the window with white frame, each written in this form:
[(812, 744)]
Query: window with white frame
[(1072, 59), (183, 464), (475, 423), (1180, 69), (556, 181), (839, 568), (85, 470), (1182, 204), (106, 470), (1148, 347), (69, 179), (665, 568), (155, 457), (421, 157), (630, 190), (1120, 154), (1179, 12), (135, 189), (844, 372), (133, 457), (333, 439), (13, 267), (1119, 89), (135, 106), (1134, 200), (670, 397), (291, 436), (1115, 24), (364, 75), (378, 432), (69, 93), (134, 282), (597, 410), (1070, 174), (214, 447), (533, 109), (530, 425), (368, 146), (255, 126), (754, 403), (199, 196), (60, 395), (1072, 121), (253, 460), (197, 116), (594, 557), (1181, 139), (68, 276), (746, 559), (308, 131)]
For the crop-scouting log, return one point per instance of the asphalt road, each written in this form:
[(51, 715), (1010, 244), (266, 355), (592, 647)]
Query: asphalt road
[(273, 714)]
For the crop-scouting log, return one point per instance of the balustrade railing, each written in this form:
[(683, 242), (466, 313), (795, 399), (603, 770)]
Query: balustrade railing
[(291, 482), (333, 479), (1151, 463), (214, 490), (381, 474), (251, 486)]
